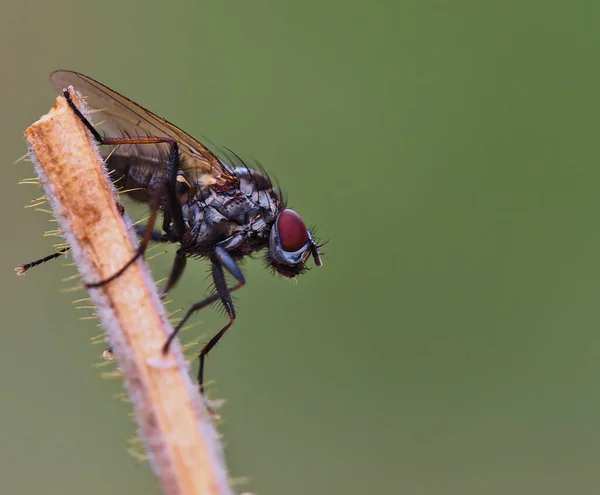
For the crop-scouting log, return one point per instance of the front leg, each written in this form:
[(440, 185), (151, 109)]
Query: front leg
[(220, 260)]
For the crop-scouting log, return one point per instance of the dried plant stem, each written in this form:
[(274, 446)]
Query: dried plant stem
[(180, 439)]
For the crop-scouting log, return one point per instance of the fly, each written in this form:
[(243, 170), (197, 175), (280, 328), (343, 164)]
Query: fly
[(211, 209)]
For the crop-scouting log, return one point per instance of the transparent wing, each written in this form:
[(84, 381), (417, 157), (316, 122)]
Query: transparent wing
[(118, 116)]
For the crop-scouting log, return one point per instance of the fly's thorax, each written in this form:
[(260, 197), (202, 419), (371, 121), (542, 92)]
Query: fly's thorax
[(252, 180), (247, 213)]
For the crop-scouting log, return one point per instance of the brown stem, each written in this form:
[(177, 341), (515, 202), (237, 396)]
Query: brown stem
[(180, 439)]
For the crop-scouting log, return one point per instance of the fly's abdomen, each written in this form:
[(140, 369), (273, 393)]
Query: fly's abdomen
[(137, 176)]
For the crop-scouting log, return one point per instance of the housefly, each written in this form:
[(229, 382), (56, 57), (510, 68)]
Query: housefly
[(215, 208)]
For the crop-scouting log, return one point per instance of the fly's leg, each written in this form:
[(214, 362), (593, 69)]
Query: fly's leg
[(220, 260), (154, 236), (21, 269), (173, 211), (155, 204), (221, 286), (176, 271), (178, 264)]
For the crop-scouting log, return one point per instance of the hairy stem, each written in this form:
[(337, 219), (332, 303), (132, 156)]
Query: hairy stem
[(179, 437)]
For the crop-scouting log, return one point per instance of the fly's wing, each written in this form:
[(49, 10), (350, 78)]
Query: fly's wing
[(146, 164)]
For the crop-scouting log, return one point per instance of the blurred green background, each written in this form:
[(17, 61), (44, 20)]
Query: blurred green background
[(448, 151)]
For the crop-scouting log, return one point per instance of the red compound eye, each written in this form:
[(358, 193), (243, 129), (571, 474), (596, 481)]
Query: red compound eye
[(292, 231)]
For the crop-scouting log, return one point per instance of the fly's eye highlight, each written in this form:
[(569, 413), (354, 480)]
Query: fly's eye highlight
[(293, 234)]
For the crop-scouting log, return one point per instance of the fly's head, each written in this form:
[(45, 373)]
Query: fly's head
[(290, 245)]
